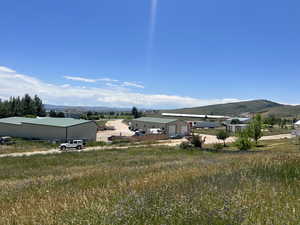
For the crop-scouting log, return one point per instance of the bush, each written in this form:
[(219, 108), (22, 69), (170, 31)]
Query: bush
[(243, 142), (198, 141), (218, 146), (185, 145), (223, 135)]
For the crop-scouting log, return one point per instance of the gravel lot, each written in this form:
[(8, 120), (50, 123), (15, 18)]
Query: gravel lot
[(120, 129)]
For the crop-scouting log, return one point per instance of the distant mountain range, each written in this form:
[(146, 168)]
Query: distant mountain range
[(85, 108), (244, 108)]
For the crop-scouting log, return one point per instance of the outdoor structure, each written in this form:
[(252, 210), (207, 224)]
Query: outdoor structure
[(235, 125), (168, 126), (46, 128)]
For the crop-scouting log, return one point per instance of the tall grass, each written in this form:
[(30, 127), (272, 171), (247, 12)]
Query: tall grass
[(23, 145), (158, 185)]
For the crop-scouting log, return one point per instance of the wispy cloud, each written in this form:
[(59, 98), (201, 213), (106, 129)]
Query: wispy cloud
[(6, 70), (112, 85), (132, 84), (107, 80), (15, 84), (82, 79)]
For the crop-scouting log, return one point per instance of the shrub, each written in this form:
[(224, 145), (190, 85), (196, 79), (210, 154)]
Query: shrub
[(255, 128), (223, 135), (218, 146), (185, 145), (198, 141), (243, 142)]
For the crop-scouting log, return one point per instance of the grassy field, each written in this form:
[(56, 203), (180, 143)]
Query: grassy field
[(276, 131), (154, 186), (22, 145)]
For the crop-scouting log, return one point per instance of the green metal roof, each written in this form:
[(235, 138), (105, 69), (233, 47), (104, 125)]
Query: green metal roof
[(155, 120), (47, 121)]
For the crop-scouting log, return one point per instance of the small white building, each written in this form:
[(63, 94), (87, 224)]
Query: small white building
[(235, 128), (297, 128), (235, 125)]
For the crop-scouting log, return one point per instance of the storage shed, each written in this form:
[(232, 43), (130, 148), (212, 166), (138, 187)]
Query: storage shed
[(168, 126), (47, 128)]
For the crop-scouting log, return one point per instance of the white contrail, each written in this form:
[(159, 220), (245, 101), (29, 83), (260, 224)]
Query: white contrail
[(153, 12)]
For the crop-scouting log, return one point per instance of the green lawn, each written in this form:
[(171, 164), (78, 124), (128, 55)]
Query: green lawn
[(154, 186)]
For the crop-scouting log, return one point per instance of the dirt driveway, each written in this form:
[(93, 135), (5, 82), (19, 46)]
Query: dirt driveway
[(121, 129)]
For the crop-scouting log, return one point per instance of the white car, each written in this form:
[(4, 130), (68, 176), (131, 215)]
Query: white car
[(78, 144), (155, 131)]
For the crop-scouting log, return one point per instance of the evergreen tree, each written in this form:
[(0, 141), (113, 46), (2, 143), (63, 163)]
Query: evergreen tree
[(39, 107), (60, 115), (135, 112), (26, 106), (52, 113)]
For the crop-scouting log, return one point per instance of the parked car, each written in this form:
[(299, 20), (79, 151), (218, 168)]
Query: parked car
[(77, 144), (6, 140), (155, 131), (139, 133), (176, 136)]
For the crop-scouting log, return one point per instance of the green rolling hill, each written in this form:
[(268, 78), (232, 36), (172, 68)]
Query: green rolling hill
[(265, 107)]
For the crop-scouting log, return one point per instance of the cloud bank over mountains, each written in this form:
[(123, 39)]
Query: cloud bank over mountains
[(114, 93)]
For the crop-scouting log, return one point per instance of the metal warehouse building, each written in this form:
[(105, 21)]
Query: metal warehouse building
[(46, 128), (169, 126)]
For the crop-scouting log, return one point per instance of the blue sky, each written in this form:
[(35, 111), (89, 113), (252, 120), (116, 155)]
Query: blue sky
[(150, 53)]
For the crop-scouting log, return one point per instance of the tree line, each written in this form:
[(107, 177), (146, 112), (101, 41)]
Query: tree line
[(25, 106), (28, 106)]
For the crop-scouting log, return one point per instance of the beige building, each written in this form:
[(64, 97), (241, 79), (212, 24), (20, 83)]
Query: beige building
[(46, 128), (168, 126)]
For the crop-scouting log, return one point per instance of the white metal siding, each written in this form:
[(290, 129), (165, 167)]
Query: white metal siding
[(172, 130), (184, 130)]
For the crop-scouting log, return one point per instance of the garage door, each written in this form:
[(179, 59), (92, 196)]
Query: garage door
[(172, 130), (184, 130)]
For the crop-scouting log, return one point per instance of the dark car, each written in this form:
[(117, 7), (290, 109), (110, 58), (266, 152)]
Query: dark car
[(6, 141), (176, 136), (139, 133)]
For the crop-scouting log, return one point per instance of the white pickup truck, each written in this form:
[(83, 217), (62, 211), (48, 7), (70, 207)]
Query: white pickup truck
[(78, 144)]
